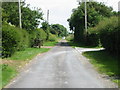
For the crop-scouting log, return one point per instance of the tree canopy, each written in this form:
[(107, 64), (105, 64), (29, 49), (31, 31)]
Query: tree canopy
[(58, 29), (95, 12), (30, 18)]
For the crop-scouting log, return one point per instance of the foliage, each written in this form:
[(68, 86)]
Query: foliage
[(45, 27), (95, 12), (49, 43), (27, 54), (13, 39), (58, 29), (109, 33), (41, 34), (25, 41), (33, 36), (52, 37), (8, 72), (37, 34), (55, 29), (30, 18), (70, 37), (10, 12), (92, 39), (105, 63), (16, 39)]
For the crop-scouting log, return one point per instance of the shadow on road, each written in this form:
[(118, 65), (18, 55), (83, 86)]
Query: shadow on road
[(63, 44)]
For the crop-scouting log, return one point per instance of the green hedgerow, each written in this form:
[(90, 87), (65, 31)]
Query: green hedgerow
[(109, 33), (13, 39)]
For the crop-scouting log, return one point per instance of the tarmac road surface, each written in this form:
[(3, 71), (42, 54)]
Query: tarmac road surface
[(61, 67)]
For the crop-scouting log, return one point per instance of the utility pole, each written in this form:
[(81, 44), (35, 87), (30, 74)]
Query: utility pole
[(85, 14), (48, 16), (85, 17), (20, 23), (47, 25)]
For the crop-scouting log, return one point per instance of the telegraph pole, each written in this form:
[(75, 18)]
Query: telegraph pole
[(47, 25), (20, 23), (85, 17), (48, 16), (85, 14)]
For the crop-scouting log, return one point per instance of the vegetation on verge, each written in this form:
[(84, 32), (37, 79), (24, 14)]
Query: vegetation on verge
[(13, 39), (16, 39), (8, 72), (70, 37), (102, 31), (50, 43), (27, 54), (19, 45), (105, 63)]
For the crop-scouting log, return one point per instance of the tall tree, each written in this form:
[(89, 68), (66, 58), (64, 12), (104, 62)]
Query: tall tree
[(95, 12), (30, 18), (58, 29)]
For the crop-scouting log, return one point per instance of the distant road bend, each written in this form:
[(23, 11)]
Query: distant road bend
[(61, 67)]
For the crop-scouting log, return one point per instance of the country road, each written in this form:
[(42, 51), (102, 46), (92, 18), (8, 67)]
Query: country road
[(61, 67)]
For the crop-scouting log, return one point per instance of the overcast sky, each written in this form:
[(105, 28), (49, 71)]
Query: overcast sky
[(60, 10)]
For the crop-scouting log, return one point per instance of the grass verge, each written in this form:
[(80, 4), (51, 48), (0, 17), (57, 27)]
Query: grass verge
[(105, 63), (48, 43), (27, 54), (0, 75), (20, 58), (8, 72)]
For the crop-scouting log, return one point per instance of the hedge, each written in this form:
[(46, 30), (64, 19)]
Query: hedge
[(52, 37), (70, 37), (16, 39), (41, 34), (109, 32), (38, 34), (92, 39), (13, 39)]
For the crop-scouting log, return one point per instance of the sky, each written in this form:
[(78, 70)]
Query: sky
[(61, 10)]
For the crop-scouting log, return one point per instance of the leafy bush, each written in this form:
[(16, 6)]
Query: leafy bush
[(52, 37), (25, 39), (32, 35), (92, 39), (16, 39), (41, 34), (70, 37), (13, 39), (109, 33), (37, 34)]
